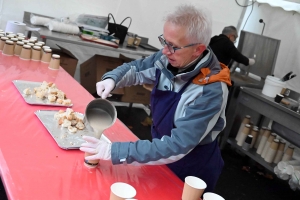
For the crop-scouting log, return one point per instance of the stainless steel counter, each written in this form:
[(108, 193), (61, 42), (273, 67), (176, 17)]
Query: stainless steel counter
[(82, 50)]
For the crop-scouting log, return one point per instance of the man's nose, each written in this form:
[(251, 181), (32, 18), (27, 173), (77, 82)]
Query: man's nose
[(166, 50)]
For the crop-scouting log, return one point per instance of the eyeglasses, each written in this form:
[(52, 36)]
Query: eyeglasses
[(235, 37), (170, 47)]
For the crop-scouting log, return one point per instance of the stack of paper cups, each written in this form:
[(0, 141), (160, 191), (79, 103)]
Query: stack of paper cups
[(245, 121), (254, 133), (279, 152), (288, 153), (270, 155), (263, 141), (243, 135), (261, 132), (267, 145), (18, 48)]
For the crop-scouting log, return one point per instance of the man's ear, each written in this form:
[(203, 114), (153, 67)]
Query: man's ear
[(200, 49)]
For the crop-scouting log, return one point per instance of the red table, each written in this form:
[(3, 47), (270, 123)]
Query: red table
[(32, 166)]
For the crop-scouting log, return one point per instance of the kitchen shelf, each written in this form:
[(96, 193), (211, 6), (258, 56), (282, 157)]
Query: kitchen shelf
[(252, 154)]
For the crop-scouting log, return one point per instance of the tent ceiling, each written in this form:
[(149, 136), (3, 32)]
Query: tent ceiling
[(289, 5)]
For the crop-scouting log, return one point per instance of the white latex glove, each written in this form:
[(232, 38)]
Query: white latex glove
[(251, 61), (105, 87), (101, 149)]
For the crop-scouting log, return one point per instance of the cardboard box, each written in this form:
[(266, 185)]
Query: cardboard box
[(67, 60), (93, 69), (136, 94)]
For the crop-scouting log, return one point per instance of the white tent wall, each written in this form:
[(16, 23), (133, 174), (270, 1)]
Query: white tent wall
[(282, 25), (146, 15)]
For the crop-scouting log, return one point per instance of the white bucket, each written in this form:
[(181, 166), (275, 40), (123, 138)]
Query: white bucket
[(273, 86)]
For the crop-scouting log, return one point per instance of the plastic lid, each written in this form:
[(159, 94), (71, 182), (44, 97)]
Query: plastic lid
[(48, 50), (30, 44), (255, 128), (14, 39), (282, 141), (248, 125), (9, 42), (31, 41), (46, 47), (26, 41), (37, 47), (55, 56), (276, 140), (38, 44), (21, 38), (20, 43), (27, 46), (4, 38), (248, 116), (11, 35)]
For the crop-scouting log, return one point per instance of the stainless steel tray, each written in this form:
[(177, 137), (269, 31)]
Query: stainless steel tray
[(61, 135), (32, 99)]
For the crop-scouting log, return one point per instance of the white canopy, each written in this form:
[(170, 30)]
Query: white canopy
[(286, 5)]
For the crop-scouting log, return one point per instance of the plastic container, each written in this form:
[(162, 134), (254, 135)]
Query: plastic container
[(273, 86)]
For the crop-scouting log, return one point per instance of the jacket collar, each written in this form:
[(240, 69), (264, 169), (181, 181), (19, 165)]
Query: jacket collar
[(208, 61)]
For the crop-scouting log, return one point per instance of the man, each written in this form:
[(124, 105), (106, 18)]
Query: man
[(223, 47), (187, 102)]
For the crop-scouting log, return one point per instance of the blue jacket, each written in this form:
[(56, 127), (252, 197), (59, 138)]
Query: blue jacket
[(199, 117)]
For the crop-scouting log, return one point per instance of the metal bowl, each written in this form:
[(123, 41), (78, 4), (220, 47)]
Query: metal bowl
[(100, 114)]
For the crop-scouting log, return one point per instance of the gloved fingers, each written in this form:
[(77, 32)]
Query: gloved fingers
[(88, 150), (105, 94), (251, 61), (92, 157), (89, 145), (100, 88), (91, 139)]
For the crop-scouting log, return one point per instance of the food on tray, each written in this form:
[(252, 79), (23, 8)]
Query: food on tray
[(69, 119), (48, 90), (27, 91)]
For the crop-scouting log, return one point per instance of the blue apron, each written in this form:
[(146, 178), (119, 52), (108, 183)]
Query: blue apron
[(204, 161)]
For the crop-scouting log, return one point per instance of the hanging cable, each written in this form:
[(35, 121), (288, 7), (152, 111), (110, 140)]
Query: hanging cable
[(244, 5), (252, 5)]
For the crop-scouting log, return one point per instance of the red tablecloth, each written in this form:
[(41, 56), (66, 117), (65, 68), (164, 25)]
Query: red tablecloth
[(32, 166)]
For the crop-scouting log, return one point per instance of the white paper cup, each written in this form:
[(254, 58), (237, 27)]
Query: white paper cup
[(193, 188), (121, 191), (212, 196)]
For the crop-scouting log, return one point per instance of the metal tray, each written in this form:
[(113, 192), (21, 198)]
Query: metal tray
[(64, 138), (32, 99)]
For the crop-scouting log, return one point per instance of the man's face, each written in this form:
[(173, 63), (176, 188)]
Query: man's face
[(233, 37), (175, 36)]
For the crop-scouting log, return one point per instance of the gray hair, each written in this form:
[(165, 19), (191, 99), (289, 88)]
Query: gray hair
[(197, 21), (229, 30)]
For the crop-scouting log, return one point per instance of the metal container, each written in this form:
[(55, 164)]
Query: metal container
[(100, 114)]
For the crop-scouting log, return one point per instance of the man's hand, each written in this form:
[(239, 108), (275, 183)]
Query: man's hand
[(100, 149), (105, 87), (251, 61)]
